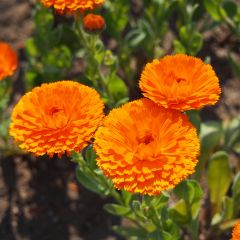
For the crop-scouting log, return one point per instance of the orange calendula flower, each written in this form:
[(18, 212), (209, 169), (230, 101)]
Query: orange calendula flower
[(236, 232), (145, 148), (56, 117), (93, 22), (180, 82), (72, 5), (8, 60)]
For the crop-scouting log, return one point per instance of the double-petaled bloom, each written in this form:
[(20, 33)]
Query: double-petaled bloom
[(8, 60), (180, 82), (145, 148), (56, 118), (72, 6)]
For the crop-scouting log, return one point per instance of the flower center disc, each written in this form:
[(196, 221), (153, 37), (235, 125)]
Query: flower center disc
[(55, 110), (179, 80), (58, 118), (146, 139)]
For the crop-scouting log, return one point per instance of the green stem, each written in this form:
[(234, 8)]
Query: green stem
[(90, 45)]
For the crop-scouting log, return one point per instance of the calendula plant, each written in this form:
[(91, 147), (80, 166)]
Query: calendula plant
[(153, 156), (48, 53)]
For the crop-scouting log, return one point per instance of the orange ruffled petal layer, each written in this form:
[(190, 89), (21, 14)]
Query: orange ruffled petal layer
[(180, 82), (8, 60), (145, 148), (236, 232), (72, 5), (56, 117)]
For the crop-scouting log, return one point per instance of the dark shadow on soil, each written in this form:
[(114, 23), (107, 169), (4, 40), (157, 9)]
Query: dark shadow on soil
[(45, 202)]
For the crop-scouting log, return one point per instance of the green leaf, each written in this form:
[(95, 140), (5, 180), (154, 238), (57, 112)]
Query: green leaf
[(116, 209), (139, 210), (135, 37), (194, 117), (129, 232), (59, 58), (98, 50), (219, 177), (184, 34), (3, 104), (212, 7), (117, 87), (90, 157), (196, 43), (145, 27), (67, 37), (227, 212), (191, 41), (178, 47), (113, 16), (217, 218), (190, 191), (154, 235), (166, 236), (33, 78), (234, 62), (4, 129), (88, 183), (193, 228), (228, 224), (136, 205), (121, 102), (109, 58), (153, 214), (236, 185), (172, 228), (210, 136), (231, 8), (232, 134), (228, 209), (187, 208), (160, 201), (179, 213), (127, 196), (236, 148), (43, 19), (236, 193), (31, 48)]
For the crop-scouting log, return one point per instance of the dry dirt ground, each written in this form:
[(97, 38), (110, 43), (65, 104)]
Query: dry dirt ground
[(40, 199)]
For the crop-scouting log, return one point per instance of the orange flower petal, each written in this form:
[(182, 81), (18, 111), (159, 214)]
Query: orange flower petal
[(72, 5), (180, 82), (93, 22), (236, 232), (8, 60), (56, 117), (145, 148)]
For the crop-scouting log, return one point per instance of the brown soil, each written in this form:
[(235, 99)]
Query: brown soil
[(40, 199)]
